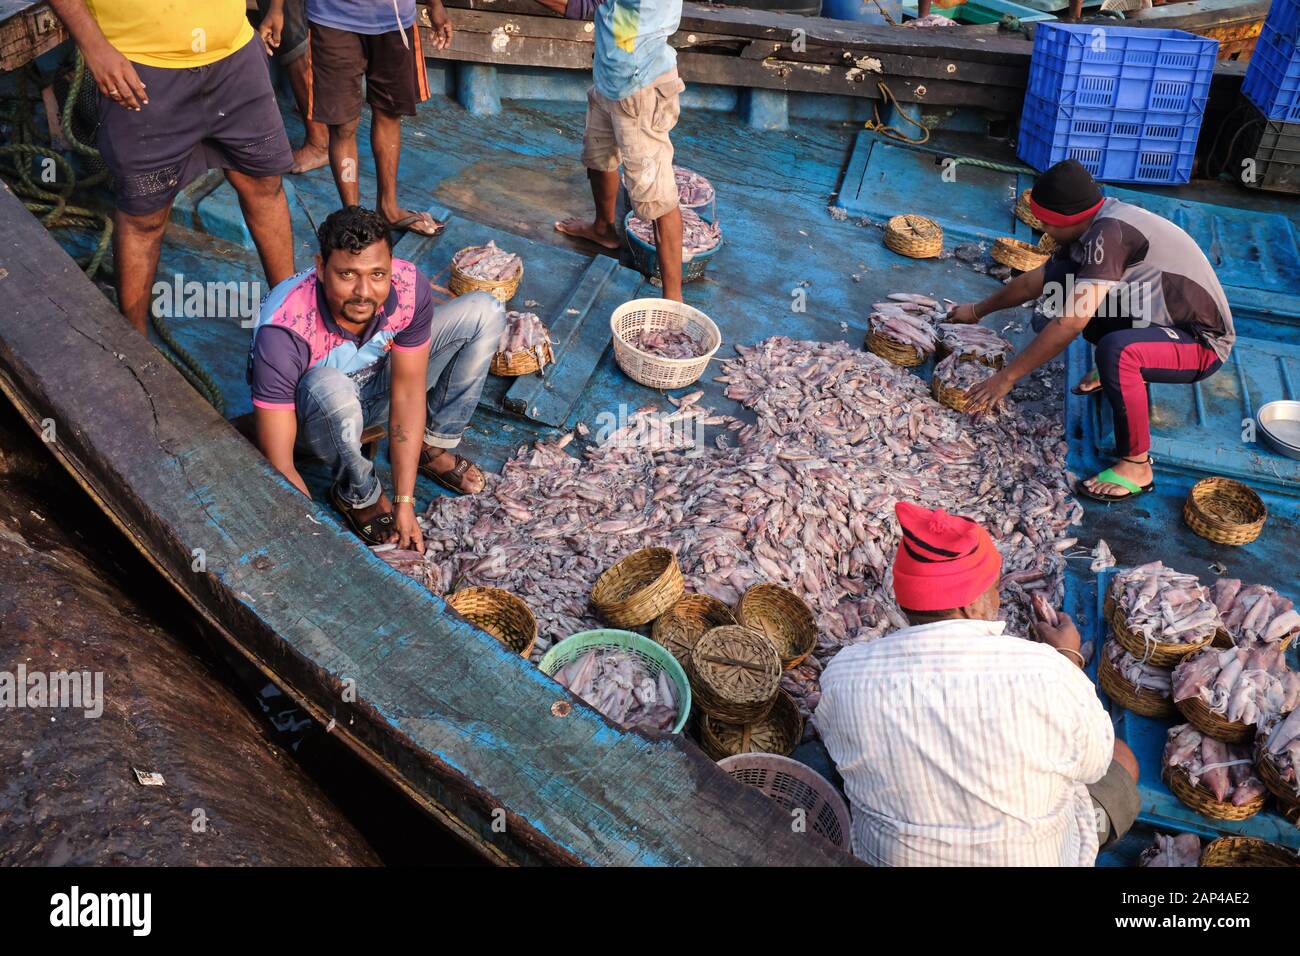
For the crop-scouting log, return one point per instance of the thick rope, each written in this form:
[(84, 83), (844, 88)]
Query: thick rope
[(53, 209), (988, 164)]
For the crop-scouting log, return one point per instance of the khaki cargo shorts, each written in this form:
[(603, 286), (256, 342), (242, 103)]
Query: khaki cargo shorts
[(1116, 804), (634, 131)]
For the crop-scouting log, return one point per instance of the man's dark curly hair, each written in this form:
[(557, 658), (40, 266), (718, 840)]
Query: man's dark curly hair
[(352, 228)]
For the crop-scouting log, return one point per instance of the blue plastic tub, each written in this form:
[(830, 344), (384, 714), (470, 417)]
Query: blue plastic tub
[(1125, 146), (862, 11), (1127, 68), (1273, 77)]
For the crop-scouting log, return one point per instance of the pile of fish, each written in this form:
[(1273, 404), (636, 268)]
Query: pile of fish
[(1244, 684), (1224, 769), (489, 263), (619, 685), (1181, 850), (524, 331), (668, 343), (954, 373), (697, 235), (1164, 605), (975, 341), (693, 190), (904, 329), (1254, 613), (1282, 746), (1141, 675), (802, 496)]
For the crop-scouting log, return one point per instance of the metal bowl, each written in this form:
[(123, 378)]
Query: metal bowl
[(1279, 424)]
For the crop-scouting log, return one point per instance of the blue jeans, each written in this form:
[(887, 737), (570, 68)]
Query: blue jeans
[(333, 408)]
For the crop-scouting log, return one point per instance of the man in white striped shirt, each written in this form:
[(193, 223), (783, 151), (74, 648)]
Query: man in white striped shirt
[(961, 745)]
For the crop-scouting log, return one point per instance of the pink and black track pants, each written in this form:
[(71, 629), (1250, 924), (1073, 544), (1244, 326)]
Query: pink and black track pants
[(1129, 359)]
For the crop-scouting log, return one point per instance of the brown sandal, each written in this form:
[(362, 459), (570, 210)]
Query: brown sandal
[(453, 480), (374, 532)]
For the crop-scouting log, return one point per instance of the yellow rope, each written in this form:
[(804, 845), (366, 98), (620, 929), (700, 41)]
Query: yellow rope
[(876, 125)]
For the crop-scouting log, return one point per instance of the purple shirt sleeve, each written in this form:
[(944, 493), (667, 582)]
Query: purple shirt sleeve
[(280, 360), (417, 334), (581, 9)]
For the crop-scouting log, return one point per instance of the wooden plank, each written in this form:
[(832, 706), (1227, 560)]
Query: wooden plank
[(580, 332), (27, 29), (463, 726)]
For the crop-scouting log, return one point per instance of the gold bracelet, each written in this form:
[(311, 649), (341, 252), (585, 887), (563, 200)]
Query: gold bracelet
[(403, 499), (1067, 650)]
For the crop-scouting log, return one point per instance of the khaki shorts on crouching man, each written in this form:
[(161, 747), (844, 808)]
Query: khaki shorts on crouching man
[(634, 131)]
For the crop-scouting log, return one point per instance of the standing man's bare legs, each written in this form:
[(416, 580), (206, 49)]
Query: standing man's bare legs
[(668, 247), (137, 244), (386, 144), (314, 151), (603, 231), (266, 210), (343, 162)]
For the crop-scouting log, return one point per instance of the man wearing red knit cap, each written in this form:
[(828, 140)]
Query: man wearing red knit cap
[(1139, 288), (959, 744)]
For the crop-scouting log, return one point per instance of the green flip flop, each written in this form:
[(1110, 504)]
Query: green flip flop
[(1112, 477)]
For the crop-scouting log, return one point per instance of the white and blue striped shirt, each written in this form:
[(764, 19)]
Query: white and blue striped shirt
[(964, 746)]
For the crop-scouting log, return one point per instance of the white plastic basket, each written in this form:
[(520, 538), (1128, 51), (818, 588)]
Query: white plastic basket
[(652, 315)]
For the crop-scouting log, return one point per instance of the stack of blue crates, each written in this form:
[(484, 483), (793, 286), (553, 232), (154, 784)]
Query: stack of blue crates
[(1126, 102), (1273, 78)]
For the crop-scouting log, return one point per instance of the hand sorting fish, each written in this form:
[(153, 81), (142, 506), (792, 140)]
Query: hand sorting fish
[(1255, 613), (668, 343), (697, 235), (1281, 738), (1226, 770), (1139, 674), (802, 497), (1164, 605), (952, 372), (1183, 849), (489, 263), (1246, 685), (974, 342), (524, 331), (620, 685)]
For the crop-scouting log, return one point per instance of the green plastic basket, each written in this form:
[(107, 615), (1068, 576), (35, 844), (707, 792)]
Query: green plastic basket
[(655, 657)]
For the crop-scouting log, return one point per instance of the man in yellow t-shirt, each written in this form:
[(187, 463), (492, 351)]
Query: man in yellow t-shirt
[(184, 88)]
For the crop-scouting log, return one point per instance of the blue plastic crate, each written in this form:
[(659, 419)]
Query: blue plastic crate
[(1129, 68), (1118, 146), (1273, 77), (1284, 20)]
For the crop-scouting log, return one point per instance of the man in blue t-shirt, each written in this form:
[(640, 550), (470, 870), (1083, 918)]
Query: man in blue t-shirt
[(357, 340), (632, 106), (380, 41)]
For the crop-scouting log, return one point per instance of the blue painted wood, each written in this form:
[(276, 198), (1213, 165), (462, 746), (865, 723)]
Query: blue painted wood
[(218, 214), (766, 109), (477, 89)]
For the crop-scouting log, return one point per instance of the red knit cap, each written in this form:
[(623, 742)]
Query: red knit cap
[(943, 561)]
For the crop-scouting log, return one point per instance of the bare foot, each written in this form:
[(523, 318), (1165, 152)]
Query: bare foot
[(308, 157), (1137, 472), (601, 235)]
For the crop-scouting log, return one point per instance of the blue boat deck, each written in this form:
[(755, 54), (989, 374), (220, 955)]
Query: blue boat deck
[(511, 176)]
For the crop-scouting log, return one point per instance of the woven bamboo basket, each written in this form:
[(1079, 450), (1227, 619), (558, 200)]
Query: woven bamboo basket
[(500, 613), (783, 617), (1046, 244), (523, 362), (461, 282), (1017, 254), (638, 588), (1026, 214), (1159, 653), (1202, 800), (1288, 800), (777, 733), (678, 628), (1225, 511), (652, 315), (735, 674), (1247, 851), (954, 398), (1144, 701), (907, 356), (1214, 725), (794, 786), (914, 236)]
